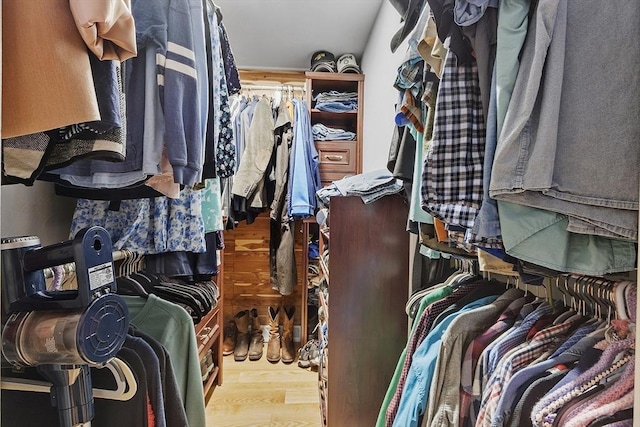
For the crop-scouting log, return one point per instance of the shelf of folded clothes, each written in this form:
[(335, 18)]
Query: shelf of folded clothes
[(322, 132), (342, 121)]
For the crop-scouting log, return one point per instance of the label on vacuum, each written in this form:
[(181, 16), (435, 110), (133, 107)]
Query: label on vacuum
[(101, 275)]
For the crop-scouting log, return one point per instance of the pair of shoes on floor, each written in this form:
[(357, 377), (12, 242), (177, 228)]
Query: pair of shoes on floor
[(243, 336), (309, 355), (280, 346)]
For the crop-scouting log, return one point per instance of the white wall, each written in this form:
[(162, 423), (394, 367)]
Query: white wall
[(35, 211), (380, 68)]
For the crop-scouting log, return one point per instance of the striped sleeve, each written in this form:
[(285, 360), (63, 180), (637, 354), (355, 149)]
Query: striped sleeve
[(177, 81)]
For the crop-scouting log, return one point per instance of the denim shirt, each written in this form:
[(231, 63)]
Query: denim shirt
[(304, 173)]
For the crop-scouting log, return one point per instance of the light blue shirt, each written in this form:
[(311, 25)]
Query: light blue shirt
[(304, 175)]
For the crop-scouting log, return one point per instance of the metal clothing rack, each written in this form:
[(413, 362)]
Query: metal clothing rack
[(282, 88), (273, 87)]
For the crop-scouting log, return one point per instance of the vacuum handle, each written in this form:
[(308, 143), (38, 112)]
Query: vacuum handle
[(49, 256)]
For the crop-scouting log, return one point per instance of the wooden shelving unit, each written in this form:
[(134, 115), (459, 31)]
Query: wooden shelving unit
[(365, 318), (338, 158), (209, 336)]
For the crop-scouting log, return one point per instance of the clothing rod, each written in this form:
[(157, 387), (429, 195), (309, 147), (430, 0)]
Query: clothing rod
[(273, 87)]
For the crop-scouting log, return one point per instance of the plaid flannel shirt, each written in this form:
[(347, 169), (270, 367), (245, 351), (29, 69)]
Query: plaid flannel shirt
[(517, 336), (474, 350), (542, 341), (452, 176)]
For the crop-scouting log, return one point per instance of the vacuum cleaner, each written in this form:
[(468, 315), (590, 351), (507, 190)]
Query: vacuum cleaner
[(62, 333)]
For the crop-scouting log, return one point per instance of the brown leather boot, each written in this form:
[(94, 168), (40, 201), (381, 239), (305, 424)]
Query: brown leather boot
[(257, 339), (242, 342), (288, 349), (230, 336), (273, 347)]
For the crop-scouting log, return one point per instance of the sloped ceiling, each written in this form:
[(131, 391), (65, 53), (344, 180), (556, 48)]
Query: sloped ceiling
[(283, 34)]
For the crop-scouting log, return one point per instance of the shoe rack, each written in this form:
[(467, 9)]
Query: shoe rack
[(209, 337)]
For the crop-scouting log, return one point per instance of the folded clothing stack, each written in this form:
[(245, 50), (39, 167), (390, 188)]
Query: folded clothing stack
[(370, 186), (336, 102), (325, 133)]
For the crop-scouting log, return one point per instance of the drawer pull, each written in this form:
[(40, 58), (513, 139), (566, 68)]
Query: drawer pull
[(333, 157)]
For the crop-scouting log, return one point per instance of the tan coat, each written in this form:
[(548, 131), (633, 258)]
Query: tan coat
[(46, 76), (106, 26)]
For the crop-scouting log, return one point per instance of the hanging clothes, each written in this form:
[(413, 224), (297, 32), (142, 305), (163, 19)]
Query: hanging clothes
[(539, 209), (162, 89), (147, 226), (223, 67), (173, 328), (304, 173), (473, 363), (31, 99), (282, 261), (104, 139), (563, 124), (249, 180)]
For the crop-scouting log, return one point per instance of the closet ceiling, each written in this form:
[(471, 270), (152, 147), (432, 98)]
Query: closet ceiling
[(282, 34)]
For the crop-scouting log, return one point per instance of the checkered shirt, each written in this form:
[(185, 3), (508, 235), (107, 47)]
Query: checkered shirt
[(541, 342), (481, 373), (516, 336), (452, 176), (471, 356)]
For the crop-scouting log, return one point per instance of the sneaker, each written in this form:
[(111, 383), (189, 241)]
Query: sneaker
[(314, 355), (308, 354)]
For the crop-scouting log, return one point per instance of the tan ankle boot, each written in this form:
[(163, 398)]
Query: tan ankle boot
[(273, 347), (257, 339), (242, 342), (230, 337), (288, 349)]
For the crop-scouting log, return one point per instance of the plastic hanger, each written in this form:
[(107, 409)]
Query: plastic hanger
[(126, 385), (127, 285)]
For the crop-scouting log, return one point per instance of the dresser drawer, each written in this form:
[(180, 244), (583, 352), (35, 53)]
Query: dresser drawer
[(338, 157)]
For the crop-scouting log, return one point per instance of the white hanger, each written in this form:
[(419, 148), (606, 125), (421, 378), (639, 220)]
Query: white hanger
[(125, 380)]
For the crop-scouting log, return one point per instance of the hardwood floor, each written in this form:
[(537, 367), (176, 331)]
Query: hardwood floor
[(261, 394)]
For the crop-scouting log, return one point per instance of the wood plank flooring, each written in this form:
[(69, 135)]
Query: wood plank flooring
[(262, 394)]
